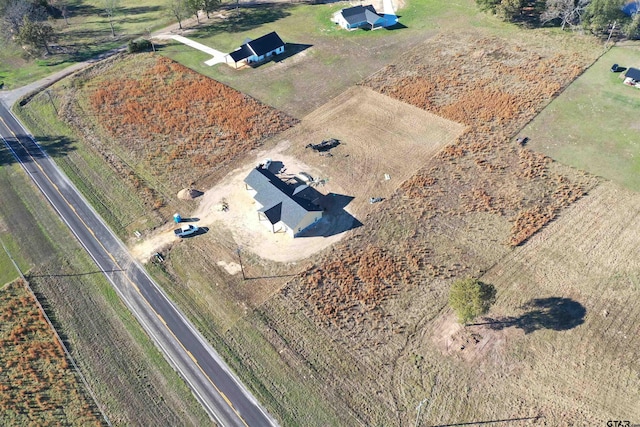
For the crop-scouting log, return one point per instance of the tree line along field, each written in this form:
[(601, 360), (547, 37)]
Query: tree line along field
[(85, 33), (38, 386)]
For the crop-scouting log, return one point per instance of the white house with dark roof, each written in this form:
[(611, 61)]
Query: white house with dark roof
[(356, 17), (256, 50), (281, 206)]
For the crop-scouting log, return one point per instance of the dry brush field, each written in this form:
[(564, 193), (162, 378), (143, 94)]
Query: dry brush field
[(363, 334), (161, 127), (377, 301), (38, 386)]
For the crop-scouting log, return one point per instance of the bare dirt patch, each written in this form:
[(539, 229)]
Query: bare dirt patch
[(378, 136)]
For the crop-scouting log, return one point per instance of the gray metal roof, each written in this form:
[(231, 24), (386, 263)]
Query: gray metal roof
[(241, 53), (260, 46), (634, 73), (277, 198), (359, 14)]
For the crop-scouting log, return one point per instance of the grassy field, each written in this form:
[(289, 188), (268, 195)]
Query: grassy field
[(591, 126), (86, 35), (130, 378), (34, 365), (361, 333), (321, 60)]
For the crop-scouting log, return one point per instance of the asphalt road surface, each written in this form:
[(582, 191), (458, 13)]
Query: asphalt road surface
[(215, 386)]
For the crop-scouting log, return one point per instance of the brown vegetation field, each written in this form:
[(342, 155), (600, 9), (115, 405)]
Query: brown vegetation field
[(38, 386), (495, 87), (161, 127), (360, 334)]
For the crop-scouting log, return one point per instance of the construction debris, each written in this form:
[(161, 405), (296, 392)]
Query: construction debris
[(325, 145)]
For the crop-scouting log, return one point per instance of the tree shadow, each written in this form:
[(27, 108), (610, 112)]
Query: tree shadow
[(54, 146), (139, 10), (555, 313), (291, 49), (79, 8), (246, 18)]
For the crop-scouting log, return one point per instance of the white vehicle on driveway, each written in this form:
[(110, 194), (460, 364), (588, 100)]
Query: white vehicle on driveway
[(186, 230)]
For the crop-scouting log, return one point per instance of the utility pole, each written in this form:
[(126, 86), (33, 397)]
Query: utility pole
[(611, 32), (48, 92), (241, 267)]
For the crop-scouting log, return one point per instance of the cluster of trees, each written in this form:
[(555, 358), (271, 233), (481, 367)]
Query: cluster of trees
[(182, 9), (26, 23), (596, 16)]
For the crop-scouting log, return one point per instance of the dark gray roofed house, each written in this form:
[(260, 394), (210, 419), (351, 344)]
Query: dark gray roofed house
[(633, 74), (358, 17), (257, 50), (278, 204)]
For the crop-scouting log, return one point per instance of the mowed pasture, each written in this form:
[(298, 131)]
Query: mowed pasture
[(577, 352), (38, 385), (592, 126)]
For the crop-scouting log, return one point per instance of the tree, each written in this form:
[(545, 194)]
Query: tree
[(568, 12), (111, 8), (632, 29), (36, 34), (179, 10), (209, 6), (509, 9), (13, 14), (488, 5), (194, 6), (63, 8), (471, 298), (599, 14)]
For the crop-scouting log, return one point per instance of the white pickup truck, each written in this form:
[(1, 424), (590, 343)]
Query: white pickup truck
[(186, 230)]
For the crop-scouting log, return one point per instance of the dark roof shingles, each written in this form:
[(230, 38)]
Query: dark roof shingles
[(634, 73), (277, 199)]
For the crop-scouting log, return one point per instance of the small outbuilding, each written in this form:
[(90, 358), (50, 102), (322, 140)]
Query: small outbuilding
[(283, 207), (257, 50), (356, 17)]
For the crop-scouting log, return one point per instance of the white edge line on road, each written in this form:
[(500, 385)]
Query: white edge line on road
[(122, 297), (195, 332)]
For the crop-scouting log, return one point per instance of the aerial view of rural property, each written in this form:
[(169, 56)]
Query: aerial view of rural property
[(320, 213)]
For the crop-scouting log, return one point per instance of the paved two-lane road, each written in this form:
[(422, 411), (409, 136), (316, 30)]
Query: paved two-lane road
[(221, 394)]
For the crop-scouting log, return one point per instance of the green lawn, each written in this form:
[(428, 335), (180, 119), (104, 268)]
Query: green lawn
[(87, 34), (321, 58), (594, 124)]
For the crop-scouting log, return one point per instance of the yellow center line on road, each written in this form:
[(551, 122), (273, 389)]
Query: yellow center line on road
[(226, 399)]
